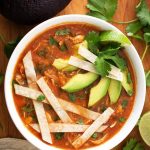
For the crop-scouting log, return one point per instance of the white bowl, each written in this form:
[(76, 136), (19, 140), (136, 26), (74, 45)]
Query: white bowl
[(132, 54)]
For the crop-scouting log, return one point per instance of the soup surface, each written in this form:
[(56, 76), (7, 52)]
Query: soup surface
[(59, 43)]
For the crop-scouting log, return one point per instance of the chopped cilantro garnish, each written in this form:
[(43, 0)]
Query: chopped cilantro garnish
[(72, 97), (124, 103), (59, 136), (63, 32), (122, 119), (40, 98), (52, 41)]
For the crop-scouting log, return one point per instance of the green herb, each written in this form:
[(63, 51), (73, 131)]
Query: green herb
[(72, 97), (94, 136), (10, 46), (52, 41), (41, 98), (63, 47), (147, 37), (63, 32), (129, 78), (93, 41), (42, 53), (103, 9), (28, 108), (59, 136), (122, 119), (143, 13), (134, 27), (124, 103), (14, 82), (132, 144), (1, 78), (103, 108), (80, 121), (102, 66), (147, 77)]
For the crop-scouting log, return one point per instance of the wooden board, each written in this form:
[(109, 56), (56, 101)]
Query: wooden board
[(125, 12)]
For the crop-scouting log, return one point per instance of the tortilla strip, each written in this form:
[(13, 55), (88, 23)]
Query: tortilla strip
[(63, 127), (39, 108), (103, 118), (77, 109), (85, 65), (53, 101)]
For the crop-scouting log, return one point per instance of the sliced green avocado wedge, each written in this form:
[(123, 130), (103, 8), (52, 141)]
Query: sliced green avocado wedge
[(98, 91), (114, 90), (114, 36), (62, 64), (127, 82), (79, 82)]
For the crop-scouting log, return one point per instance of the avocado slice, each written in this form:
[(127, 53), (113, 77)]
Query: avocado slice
[(98, 91), (80, 81), (127, 82), (114, 90), (62, 64)]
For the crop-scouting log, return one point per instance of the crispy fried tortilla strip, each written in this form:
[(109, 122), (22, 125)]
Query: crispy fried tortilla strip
[(66, 127), (53, 101), (39, 108), (103, 118), (77, 109)]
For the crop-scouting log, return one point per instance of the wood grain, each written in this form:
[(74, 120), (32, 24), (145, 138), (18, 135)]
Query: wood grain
[(125, 12)]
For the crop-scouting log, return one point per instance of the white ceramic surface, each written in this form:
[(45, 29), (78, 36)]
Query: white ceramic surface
[(131, 52)]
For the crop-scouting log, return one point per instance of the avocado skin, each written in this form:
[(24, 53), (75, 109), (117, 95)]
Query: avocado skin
[(99, 91), (114, 90), (79, 82), (31, 11)]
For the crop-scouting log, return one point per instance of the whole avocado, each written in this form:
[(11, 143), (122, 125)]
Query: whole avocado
[(31, 11)]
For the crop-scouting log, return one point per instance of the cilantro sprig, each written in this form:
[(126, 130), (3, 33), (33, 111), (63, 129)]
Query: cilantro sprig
[(133, 144), (107, 53), (103, 9)]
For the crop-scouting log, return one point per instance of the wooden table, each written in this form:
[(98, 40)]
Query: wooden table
[(125, 12)]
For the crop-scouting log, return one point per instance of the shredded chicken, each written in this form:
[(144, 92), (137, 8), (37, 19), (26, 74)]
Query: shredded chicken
[(77, 39), (20, 79)]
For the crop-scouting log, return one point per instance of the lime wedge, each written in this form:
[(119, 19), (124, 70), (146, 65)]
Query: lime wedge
[(144, 127), (114, 36)]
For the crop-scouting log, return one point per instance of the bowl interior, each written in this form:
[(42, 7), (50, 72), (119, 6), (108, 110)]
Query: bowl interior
[(131, 52)]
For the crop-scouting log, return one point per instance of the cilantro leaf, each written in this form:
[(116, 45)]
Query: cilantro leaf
[(10, 46), (27, 108), (63, 32), (120, 62), (130, 144), (94, 136), (40, 98), (147, 37), (134, 27), (122, 119), (147, 77), (1, 78), (102, 67), (59, 136), (139, 147), (72, 97), (93, 41), (52, 41), (143, 13), (63, 47), (124, 103), (80, 121), (103, 9)]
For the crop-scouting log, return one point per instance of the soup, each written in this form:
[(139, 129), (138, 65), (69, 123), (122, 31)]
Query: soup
[(73, 86)]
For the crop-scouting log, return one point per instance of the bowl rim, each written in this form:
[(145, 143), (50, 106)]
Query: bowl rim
[(133, 56)]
